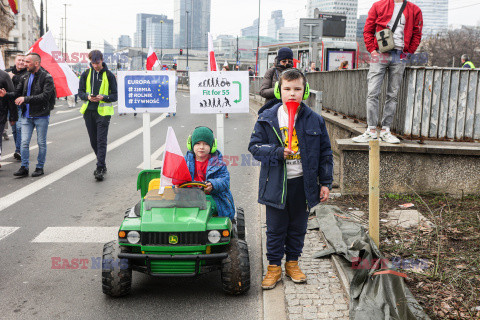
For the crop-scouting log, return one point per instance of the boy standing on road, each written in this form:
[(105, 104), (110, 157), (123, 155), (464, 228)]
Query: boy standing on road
[(290, 180)]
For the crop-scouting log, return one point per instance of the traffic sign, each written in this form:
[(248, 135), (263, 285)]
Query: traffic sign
[(219, 92), (142, 91)]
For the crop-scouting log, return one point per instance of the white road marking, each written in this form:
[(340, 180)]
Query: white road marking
[(64, 121), (77, 234), (4, 163), (6, 231), (31, 148), (48, 179), (154, 158), (66, 111)]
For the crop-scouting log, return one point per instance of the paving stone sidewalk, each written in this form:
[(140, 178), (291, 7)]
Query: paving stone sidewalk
[(323, 296)]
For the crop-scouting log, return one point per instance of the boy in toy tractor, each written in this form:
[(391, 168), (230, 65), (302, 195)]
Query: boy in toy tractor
[(205, 163)]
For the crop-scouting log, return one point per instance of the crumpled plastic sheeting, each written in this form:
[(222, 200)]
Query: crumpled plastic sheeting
[(378, 297)]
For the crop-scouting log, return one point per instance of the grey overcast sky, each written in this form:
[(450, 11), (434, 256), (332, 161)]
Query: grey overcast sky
[(96, 20)]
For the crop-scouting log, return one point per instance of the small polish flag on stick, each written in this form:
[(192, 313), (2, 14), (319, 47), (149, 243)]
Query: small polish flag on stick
[(66, 82), (175, 170), (152, 59)]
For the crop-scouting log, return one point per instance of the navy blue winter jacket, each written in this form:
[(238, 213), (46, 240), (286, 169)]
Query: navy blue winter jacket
[(219, 176), (266, 145)]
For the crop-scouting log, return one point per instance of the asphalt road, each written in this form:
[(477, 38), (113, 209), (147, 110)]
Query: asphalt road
[(45, 220)]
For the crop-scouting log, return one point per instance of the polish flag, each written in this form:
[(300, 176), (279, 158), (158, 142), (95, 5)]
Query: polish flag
[(66, 82), (14, 5), (152, 60), (175, 170), (212, 63)]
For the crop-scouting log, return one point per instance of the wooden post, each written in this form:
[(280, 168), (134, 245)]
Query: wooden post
[(373, 191)]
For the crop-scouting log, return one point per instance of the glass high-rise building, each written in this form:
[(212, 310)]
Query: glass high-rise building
[(198, 24), (344, 7), (159, 32), (275, 23), (435, 15)]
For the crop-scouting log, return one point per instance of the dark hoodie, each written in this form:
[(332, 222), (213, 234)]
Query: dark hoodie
[(96, 82), (17, 74)]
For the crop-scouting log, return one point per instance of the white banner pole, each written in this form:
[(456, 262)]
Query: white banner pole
[(220, 133), (146, 141)]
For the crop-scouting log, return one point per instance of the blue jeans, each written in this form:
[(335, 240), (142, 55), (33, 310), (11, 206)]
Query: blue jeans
[(386, 63), (17, 132), (28, 124)]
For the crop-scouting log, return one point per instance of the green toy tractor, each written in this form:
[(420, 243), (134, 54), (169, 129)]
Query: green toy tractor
[(176, 234)]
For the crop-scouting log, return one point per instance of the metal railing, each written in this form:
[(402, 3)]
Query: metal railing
[(441, 103)]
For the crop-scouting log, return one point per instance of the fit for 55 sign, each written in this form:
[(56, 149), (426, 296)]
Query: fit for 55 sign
[(141, 91), (219, 92)]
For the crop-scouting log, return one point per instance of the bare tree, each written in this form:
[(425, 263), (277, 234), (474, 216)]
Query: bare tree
[(445, 50)]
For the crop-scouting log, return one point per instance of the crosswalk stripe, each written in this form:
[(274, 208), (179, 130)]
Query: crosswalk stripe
[(6, 231), (77, 234)]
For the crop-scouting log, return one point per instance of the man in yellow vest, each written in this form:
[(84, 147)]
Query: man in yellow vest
[(98, 88), (466, 63)]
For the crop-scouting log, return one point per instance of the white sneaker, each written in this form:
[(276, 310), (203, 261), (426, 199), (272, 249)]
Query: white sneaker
[(365, 137), (388, 137)]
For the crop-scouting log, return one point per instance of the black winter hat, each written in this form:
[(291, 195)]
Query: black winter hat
[(284, 53)]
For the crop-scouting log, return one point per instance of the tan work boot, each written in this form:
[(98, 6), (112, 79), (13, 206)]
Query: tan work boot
[(293, 271), (274, 275)]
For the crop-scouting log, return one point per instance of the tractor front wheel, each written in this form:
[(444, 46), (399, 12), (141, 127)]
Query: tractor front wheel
[(236, 268), (116, 273)]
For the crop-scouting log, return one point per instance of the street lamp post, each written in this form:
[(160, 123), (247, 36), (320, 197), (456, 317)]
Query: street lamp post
[(161, 43), (188, 37)]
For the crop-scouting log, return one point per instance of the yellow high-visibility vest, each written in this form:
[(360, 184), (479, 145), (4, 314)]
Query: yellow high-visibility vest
[(104, 108)]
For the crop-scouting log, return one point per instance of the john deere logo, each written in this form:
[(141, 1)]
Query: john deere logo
[(173, 239)]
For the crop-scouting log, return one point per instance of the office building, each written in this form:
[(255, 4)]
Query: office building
[(344, 7), (124, 41), (159, 32), (275, 22), (191, 22), (435, 15)]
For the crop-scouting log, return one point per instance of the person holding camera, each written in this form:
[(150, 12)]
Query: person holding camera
[(98, 88), (393, 31)]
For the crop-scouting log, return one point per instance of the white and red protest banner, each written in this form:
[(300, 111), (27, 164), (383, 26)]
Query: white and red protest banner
[(66, 82)]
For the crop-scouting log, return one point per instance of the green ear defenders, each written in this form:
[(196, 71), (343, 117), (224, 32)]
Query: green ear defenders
[(189, 142), (306, 92)]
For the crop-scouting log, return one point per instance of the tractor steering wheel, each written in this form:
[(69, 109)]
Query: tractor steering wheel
[(198, 184)]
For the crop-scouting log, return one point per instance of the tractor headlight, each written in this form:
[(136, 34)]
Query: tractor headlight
[(133, 237), (214, 236)]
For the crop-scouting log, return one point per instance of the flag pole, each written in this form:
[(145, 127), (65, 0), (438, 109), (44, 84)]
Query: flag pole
[(146, 141)]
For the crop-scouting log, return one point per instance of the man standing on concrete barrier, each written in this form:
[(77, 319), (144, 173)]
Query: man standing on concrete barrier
[(36, 94), (98, 88), (406, 38), (466, 63)]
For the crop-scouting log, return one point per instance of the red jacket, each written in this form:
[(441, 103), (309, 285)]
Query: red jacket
[(380, 15)]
